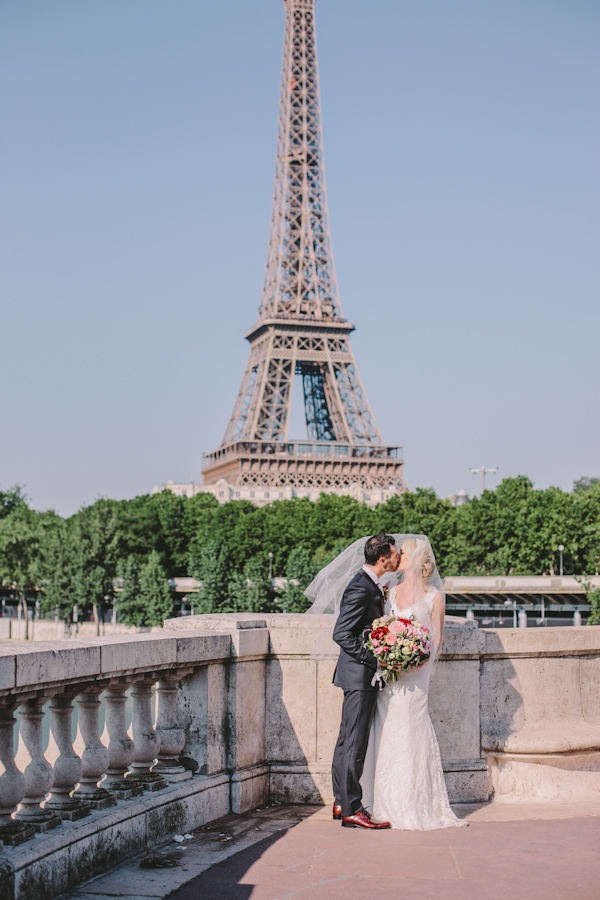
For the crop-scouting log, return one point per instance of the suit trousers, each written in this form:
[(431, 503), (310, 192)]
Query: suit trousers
[(351, 749)]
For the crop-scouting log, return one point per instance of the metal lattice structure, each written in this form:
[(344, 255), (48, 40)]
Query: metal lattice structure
[(300, 328)]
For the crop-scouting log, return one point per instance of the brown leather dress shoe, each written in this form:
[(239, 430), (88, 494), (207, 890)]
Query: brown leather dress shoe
[(362, 819), (337, 811)]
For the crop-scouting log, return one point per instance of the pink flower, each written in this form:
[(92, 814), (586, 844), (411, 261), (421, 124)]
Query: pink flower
[(391, 639), (375, 643), (426, 646), (396, 627)]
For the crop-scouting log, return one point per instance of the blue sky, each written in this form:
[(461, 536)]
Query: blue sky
[(136, 168)]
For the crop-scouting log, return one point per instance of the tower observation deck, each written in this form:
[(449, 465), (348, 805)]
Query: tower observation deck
[(300, 328)]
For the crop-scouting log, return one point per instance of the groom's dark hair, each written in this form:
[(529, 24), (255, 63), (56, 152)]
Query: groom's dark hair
[(377, 546)]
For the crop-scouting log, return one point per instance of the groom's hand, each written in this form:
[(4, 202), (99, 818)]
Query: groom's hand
[(372, 662)]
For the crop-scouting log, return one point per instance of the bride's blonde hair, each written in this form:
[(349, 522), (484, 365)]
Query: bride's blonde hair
[(421, 553)]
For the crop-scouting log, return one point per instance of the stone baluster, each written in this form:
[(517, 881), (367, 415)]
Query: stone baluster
[(12, 785), (94, 755), (121, 750), (66, 763), (172, 735), (145, 739), (35, 767)]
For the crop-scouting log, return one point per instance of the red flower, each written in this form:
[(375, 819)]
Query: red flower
[(378, 634)]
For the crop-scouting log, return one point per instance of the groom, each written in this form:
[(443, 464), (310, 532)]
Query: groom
[(361, 603)]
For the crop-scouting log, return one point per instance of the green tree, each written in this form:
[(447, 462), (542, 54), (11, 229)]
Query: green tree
[(250, 591), (336, 518), (224, 526), (323, 557), (173, 543), (139, 529), (515, 529), (20, 533), (199, 513), (584, 484), (212, 571), (129, 602), (56, 571), (492, 531), (96, 539), (154, 592), (283, 525), (299, 574), (592, 595), (12, 499)]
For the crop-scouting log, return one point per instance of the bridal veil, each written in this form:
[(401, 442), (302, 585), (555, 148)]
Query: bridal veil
[(417, 588)]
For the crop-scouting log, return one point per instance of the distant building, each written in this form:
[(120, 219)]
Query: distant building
[(263, 495), (459, 499)]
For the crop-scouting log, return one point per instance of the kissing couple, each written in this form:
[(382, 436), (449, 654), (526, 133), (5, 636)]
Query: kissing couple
[(387, 770)]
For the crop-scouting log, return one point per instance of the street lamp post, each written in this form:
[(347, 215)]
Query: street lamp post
[(484, 470), (561, 547), (512, 603)]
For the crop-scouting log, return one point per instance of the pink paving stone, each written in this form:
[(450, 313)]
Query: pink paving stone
[(318, 860)]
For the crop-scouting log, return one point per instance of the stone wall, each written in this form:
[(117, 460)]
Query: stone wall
[(516, 712)]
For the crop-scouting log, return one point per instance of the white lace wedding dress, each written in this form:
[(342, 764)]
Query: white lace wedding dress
[(403, 782)]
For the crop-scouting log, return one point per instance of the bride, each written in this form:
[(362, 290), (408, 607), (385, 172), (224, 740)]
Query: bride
[(402, 781)]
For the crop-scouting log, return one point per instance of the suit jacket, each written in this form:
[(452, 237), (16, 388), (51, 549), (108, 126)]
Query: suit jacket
[(361, 603)]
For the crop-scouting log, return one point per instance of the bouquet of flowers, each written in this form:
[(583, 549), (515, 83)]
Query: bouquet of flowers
[(398, 644)]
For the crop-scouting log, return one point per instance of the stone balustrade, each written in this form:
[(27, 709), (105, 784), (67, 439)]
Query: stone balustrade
[(244, 712), (89, 799)]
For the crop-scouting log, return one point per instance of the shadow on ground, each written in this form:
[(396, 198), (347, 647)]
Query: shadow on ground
[(222, 882)]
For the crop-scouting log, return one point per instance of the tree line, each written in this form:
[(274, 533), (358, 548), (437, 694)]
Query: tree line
[(125, 550)]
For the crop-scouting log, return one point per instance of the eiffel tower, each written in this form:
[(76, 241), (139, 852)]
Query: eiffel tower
[(300, 328)]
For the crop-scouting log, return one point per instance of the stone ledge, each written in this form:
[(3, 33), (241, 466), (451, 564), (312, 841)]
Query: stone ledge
[(37, 665), (464, 765), (224, 623), (551, 739), (250, 772), (467, 781), (247, 632), (565, 641), (546, 778), (58, 861)]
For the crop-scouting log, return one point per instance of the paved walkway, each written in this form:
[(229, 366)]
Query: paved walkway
[(508, 852)]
